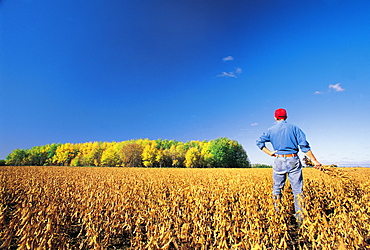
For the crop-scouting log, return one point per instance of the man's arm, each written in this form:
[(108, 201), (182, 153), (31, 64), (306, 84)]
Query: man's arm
[(268, 151), (313, 159)]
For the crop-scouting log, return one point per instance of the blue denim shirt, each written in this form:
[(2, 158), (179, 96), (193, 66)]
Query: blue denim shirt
[(285, 138)]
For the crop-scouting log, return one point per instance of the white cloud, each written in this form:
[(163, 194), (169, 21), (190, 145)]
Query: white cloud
[(227, 58), (254, 124), (231, 74), (226, 74), (336, 87)]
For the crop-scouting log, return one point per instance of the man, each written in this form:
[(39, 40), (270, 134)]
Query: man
[(286, 139)]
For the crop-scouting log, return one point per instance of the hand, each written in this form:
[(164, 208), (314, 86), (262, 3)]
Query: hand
[(273, 153), (317, 164), (267, 151)]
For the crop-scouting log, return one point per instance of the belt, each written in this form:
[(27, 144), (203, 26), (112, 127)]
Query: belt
[(288, 155)]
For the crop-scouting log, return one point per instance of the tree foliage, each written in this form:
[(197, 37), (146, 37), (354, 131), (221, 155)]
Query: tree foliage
[(226, 153), (17, 158), (36, 156), (131, 155), (221, 152)]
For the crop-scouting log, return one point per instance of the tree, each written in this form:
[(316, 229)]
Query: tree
[(176, 154), (131, 155), (149, 154), (192, 144), (17, 158), (227, 153), (65, 153), (206, 155), (165, 144), (110, 156), (89, 154), (50, 152), (193, 158), (37, 156)]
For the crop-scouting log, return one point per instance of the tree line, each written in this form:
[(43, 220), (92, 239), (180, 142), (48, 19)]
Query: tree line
[(221, 152)]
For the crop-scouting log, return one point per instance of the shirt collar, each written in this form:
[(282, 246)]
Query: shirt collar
[(281, 121)]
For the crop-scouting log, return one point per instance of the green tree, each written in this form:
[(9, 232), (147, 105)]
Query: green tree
[(17, 157), (227, 153), (50, 152), (39, 155), (165, 144), (193, 144)]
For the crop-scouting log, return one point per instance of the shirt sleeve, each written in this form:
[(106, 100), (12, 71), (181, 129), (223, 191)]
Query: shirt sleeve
[(302, 142), (262, 140)]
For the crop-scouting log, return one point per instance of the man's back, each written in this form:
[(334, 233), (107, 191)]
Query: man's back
[(285, 138)]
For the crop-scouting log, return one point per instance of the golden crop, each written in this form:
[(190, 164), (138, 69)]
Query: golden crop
[(138, 208)]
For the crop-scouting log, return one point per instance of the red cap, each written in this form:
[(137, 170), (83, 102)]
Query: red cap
[(280, 114)]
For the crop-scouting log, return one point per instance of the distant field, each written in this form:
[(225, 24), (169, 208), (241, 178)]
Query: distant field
[(139, 208)]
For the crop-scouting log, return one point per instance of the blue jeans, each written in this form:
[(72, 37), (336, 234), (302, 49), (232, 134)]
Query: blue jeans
[(291, 167)]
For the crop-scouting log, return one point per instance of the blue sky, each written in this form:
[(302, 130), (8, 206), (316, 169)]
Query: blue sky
[(79, 71)]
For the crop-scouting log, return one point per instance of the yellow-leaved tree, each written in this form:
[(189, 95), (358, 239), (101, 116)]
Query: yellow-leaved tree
[(89, 154), (177, 154), (149, 154), (193, 158), (65, 153), (206, 155), (111, 155)]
